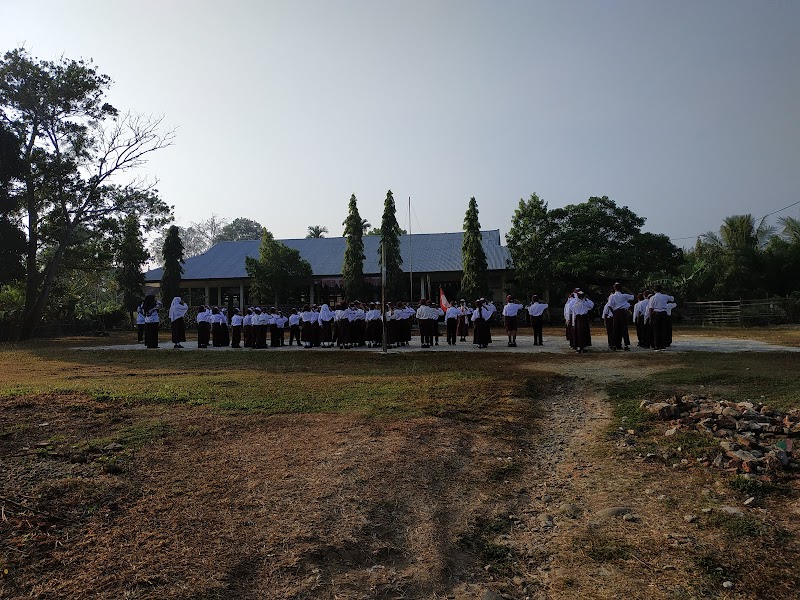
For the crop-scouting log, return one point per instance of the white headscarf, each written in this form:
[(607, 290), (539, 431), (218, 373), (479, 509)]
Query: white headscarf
[(325, 313), (176, 309)]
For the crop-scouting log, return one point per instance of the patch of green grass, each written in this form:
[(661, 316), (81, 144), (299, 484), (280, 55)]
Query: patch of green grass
[(507, 471), (750, 486), (601, 549), (691, 443), (738, 527)]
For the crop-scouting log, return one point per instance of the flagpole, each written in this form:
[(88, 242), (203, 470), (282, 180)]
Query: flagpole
[(383, 295), (410, 257)]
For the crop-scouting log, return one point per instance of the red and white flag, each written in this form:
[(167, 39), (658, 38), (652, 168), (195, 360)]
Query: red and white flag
[(443, 303)]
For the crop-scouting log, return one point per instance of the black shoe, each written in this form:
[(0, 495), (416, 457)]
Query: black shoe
[(626, 349)]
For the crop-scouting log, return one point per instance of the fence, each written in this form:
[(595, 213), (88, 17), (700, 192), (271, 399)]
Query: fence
[(737, 312)]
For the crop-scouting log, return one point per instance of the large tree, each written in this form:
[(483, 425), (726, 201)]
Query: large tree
[(130, 258), (172, 254), (240, 228), (279, 272), (474, 279), (529, 241), (12, 238), (76, 151), (390, 241), (353, 264)]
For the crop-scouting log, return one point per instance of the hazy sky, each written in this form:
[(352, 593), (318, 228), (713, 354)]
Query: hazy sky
[(684, 111)]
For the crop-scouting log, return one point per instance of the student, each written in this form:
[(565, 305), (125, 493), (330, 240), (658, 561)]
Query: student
[(451, 318), (620, 305), (260, 328), (568, 315), (203, 326), (177, 310), (140, 322), (226, 335), (357, 324), (639, 314), (151, 321), (480, 334), (579, 314), (391, 325), (670, 306), (273, 327), (657, 309), (536, 310), (236, 329), (435, 327), (325, 318), (307, 320), (608, 321), (247, 326), (462, 328), (510, 311), (280, 323), (374, 336), (425, 316), (294, 327)]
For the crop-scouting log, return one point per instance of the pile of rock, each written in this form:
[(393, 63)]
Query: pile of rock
[(753, 437)]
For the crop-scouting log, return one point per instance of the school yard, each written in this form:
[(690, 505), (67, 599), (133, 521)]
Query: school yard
[(322, 474)]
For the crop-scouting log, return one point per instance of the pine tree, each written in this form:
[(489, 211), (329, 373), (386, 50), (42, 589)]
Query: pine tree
[(474, 281), (172, 254), (353, 265), (131, 256), (390, 239)]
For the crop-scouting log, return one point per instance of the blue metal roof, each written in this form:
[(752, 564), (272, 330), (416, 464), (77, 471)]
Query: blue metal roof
[(424, 252)]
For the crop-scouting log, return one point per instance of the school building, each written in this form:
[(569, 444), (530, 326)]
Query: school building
[(430, 261)]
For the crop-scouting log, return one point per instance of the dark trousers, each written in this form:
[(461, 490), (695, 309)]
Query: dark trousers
[(151, 335), (452, 325), (609, 323), (236, 336), (274, 341), (641, 332), (620, 334), (248, 336), (203, 334), (659, 322), (261, 336), (140, 332), (537, 329), (294, 334)]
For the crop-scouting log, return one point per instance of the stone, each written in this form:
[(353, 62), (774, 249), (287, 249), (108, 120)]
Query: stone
[(572, 511), (731, 412), (614, 511), (545, 520), (670, 432), (690, 518), (631, 518), (664, 410), (750, 500), (732, 510), (113, 447), (727, 584)]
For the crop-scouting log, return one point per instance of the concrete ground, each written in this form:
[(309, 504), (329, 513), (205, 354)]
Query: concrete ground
[(552, 345)]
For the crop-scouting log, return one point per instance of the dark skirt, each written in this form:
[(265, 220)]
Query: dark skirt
[(462, 328), (248, 336), (178, 331), (582, 332), (480, 334), (306, 332), (151, 335), (511, 323), (327, 332)]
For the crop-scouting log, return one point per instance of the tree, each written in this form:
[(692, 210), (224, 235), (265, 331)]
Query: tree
[(240, 229), (390, 242), (529, 241), (172, 254), (365, 225), (594, 242), (474, 280), (279, 272), (12, 238), (737, 256), (377, 231), (76, 148), (131, 256), (316, 231), (353, 264)]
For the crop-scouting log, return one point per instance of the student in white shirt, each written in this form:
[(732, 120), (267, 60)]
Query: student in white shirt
[(608, 321), (237, 322), (140, 322), (307, 320), (177, 310), (451, 318), (480, 334), (510, 311), (325, 318), (247, 328), (462, 328), (294, 327), (260, 328), (151, 321), (657, 309), (639, 313), (620, 305), (579, 315), (536, 311)]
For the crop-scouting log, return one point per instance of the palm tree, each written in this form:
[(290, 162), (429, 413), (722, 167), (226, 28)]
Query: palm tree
[(791, 229), (365, 225), (316, 231)]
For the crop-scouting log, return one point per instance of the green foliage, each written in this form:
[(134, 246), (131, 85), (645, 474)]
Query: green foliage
[(390, 241), (353, 265), (240, 229), (474, 280), (131, 256), (74, 145), (316, 231), (172, 253), (12, 238), (529, 240), (279, 272)]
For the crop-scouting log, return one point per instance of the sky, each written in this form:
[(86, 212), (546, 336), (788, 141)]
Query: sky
[(685, 111)]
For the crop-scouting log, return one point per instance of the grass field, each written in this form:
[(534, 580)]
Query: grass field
[(355, 475)]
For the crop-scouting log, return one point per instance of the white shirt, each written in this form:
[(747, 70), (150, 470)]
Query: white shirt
[(511, 309), (452, 313), (658, 302), (309, 317), (580, 307), (294, 319), (607, 312), (670, 306), (280, 321), (237, 320), (640, 309), (537, 309), (619, 300)]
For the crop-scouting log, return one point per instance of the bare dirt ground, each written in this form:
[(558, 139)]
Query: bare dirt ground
[(509, 500)]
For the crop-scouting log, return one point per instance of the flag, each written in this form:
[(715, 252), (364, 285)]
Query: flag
[(443, 303)]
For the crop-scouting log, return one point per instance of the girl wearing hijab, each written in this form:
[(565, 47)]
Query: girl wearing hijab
[(480, 325), (177, 310), (326, 323), (307, 319), (582, 335), (236, 328), (140, 322), (151, 321)]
